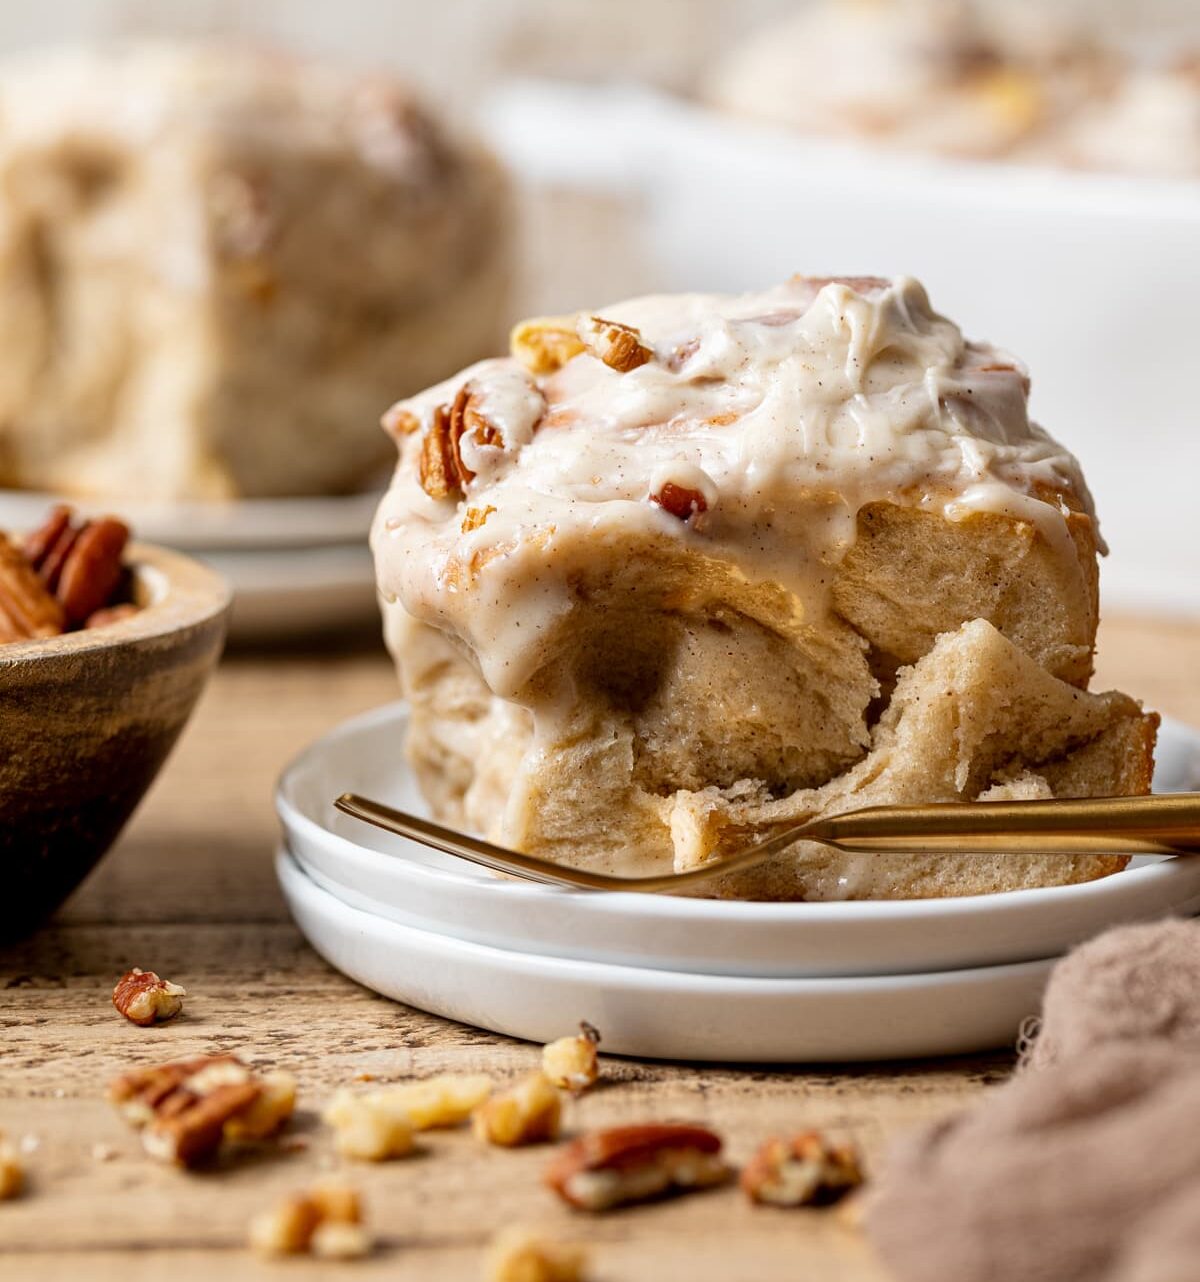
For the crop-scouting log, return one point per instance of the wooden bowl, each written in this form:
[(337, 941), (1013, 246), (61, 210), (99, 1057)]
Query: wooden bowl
[(87, 719)]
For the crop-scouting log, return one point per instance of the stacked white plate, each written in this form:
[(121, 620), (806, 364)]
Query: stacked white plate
[(679, 978), (297, 566)]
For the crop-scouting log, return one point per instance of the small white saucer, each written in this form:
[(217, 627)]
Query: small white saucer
[(663, 1014), (413, 886)]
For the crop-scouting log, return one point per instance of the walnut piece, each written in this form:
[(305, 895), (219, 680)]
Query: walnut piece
[(400, 421), (627, 1164), (186, 1108), (12, 1172), (326, 1219), (528, 1113), (545, 343), (518, 1254), (806, 1170), (572, 1062), (145, 998), (619, 346)]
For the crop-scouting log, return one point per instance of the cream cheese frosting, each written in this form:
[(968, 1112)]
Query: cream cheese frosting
[(753, 428)]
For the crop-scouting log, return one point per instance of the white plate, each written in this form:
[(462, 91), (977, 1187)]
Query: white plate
[(415, 886), (1089, 278), (241, 524), (288, 593), (662, 1014)]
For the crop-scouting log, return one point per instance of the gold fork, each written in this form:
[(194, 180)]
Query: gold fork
[(1163, 824)]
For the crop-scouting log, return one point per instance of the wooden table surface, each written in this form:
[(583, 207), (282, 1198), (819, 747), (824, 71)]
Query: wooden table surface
[(189, 891)]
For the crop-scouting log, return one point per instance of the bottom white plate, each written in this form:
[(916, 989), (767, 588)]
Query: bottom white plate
[(663, 1014)]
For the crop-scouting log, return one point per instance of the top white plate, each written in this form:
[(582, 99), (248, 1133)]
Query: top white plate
[(402, 880), (243, 524)]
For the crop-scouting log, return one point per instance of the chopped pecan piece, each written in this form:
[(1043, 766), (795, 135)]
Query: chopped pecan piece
[(545, 343), (368, 1129), (27, 609), (144, 998), (528, 1113), (518, 1254), (326, 1220), (379, 1124), (187, 1107), (635, 1164), (270, 1111), (680, 501), (619, 346), (806, 1170), (571, 1062), (400, 421), (475, 518)]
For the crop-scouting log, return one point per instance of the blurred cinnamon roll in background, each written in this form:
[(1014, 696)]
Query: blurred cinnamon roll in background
[(216, 263)]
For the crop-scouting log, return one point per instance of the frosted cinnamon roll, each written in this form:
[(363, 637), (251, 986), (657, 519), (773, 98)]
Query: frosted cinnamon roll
[(691, 567), (933, 75), (217, 263)]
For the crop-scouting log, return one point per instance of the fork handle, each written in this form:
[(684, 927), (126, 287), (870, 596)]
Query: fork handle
[(1162, 824)]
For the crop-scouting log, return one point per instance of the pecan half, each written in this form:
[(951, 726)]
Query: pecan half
[(627, 1164), (466, 418), (144, 998), (619, 346), (545, 343), (38, 543), (92, 569), (806, 1170), (27, 609), (680, 500)]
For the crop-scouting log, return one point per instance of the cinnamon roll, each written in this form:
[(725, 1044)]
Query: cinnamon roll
[(691, 567)]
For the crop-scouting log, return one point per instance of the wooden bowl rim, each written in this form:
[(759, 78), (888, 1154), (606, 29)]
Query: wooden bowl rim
[(183, 593)]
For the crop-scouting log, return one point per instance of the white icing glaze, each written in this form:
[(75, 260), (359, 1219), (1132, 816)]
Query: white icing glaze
[(787, 410)]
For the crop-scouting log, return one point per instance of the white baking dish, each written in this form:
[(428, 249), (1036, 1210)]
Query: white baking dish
[(1094, 281)]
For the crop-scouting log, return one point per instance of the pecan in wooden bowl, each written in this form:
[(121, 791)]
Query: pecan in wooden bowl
[(104, 649)]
